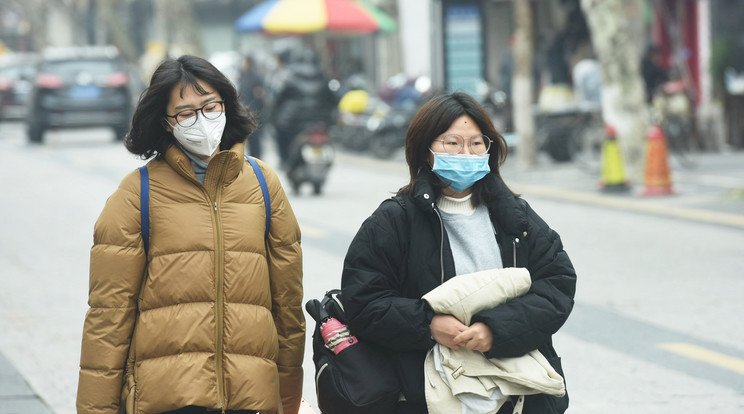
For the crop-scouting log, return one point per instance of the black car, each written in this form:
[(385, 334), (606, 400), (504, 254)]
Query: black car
[(17, 73), (80, 87)]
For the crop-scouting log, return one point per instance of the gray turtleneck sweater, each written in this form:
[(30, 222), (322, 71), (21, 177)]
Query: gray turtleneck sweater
[(198, 164), (471, 235)]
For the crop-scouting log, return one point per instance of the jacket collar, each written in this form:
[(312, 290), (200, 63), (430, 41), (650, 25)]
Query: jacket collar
[(504, 207), (224, 166)]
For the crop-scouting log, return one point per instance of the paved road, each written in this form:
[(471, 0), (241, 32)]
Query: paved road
[(659, 281)]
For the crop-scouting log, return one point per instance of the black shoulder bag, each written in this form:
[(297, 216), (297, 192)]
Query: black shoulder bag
[(358, 377)]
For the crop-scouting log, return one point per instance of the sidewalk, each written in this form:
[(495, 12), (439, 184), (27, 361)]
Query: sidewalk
[(712, 192), (15, 395)]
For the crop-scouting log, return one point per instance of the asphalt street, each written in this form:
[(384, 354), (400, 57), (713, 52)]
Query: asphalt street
[(655, 328)]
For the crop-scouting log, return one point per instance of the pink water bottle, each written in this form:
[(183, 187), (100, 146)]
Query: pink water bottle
[(336, 335)]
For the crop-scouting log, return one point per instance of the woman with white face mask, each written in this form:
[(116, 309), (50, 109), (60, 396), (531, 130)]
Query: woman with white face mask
[(208, 316), (456, 217)]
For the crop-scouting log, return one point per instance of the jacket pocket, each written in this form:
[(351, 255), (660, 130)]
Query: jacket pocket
[(127, 395)]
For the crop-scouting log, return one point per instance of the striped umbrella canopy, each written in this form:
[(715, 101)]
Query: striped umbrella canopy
[(311, 16)]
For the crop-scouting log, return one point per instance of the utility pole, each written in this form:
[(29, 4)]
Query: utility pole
[(623, 103), (522, 88)]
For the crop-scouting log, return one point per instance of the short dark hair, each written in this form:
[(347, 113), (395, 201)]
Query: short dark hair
[(148, 136), (435, 117)]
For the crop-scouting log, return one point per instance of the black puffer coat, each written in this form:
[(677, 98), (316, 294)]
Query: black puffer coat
[(401, 253), (304, 99)]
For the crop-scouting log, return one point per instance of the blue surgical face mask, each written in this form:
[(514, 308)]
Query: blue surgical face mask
[(460, 171)]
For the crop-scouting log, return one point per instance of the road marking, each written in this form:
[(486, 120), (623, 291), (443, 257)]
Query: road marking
[(312, 232), (705, 355), (728, 219)]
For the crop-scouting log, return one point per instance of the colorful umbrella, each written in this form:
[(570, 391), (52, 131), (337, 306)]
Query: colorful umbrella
[(309, 16)]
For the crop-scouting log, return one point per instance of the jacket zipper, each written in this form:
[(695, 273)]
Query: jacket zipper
[(515, 244), (441, 242), (220, 276), (220, 296)]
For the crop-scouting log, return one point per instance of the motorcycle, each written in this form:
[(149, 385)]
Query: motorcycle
[(310, 158), (387, 129)]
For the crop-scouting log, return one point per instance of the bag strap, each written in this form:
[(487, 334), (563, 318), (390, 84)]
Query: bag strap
[(265, 191), (145, 206), (145, 201)]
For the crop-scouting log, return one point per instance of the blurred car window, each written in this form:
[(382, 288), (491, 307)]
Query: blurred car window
[(81, 87)]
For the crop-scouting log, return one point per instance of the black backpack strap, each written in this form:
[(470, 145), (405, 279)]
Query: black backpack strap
[(400, 200)]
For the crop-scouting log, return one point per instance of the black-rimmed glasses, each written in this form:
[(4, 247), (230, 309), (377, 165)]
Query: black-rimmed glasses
[(188, 117), (453, 144)]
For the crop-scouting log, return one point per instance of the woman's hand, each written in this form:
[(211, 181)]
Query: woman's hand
[(477, 337), (445, 328)]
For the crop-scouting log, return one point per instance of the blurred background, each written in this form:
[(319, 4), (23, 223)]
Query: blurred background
[(581, 90)]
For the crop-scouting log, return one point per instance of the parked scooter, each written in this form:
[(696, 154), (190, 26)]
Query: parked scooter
[(389, 123), (310, 158), (388, 129)]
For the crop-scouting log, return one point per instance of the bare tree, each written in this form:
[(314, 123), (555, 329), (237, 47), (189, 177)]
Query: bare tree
[(524, 121), (623, 101), (176, 26), (36, 14), (117, 28)]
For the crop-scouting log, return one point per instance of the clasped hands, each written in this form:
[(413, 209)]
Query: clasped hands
[(450, 332)]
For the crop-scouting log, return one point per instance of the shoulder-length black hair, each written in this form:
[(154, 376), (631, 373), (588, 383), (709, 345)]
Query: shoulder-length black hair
[(435, 117), (148, 136)]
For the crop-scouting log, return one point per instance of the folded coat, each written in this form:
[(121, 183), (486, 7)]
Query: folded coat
[(470, 371)]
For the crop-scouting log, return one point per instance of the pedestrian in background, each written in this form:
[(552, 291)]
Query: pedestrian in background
[(304, 100), (654, 74), (210, 316), (252, 93), (455, 216)]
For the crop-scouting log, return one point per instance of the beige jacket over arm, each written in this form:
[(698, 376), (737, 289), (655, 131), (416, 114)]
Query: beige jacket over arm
[(470, 371)]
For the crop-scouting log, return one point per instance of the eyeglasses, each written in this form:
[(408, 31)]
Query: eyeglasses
[(187, 118), (453, 144)]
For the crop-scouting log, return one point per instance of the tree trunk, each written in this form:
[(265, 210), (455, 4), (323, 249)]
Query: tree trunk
[(36, 14), (117, 29), (524, 120), (176, 27), (623, 103)]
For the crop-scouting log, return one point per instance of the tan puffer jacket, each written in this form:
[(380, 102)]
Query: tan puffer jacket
[(218, 322)]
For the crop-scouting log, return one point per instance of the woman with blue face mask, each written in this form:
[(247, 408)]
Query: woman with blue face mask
[(455, 218)]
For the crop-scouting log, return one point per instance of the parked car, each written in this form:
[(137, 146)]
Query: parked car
[(17, 72), (80, 87)]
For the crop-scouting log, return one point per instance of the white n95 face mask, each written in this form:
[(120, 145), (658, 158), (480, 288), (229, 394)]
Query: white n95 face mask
[(202, 138)]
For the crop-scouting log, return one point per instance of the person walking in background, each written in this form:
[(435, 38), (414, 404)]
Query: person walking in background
[(456, 216), (252, 94), (304, 99), (652, 71), (209, 315)]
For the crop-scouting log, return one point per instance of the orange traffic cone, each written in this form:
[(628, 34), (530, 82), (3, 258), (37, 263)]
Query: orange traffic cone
[(657, 179), (613, 173)]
